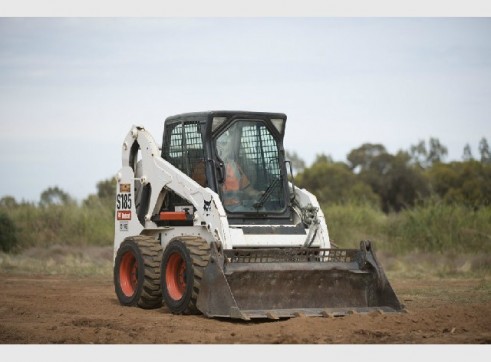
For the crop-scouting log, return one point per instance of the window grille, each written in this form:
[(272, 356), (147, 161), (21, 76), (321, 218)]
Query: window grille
[(184, 139)]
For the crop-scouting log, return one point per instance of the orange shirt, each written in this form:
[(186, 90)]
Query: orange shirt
[(235, 179)]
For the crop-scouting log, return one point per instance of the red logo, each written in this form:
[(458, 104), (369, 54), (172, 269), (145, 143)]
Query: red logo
[(124, 215)]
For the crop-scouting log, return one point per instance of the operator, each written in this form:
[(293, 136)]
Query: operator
[(236, 185)]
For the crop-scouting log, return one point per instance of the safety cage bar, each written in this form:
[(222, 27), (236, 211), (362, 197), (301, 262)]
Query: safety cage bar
[(291, 255)]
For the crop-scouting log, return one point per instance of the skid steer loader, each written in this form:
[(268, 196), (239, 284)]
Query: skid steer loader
[(210, 223)]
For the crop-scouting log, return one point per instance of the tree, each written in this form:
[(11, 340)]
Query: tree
[(426, 156), (361, 158), (334, 182), (466, 183), (467, 154), (55, 196), (437, 151), (398, 183), (106, 189), (8, 202), (298, 164), (105, 196), (323, 158), (392, 177), (419, 154), (484, 151)]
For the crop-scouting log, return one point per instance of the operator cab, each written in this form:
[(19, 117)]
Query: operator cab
[(239, 155)]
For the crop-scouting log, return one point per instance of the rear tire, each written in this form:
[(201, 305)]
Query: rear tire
[(182, 266), (137, 272)]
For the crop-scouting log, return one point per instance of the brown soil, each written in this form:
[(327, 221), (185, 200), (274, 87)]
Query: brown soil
[(53, 309)]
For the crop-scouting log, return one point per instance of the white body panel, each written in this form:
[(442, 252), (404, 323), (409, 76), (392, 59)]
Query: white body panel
[(242, 240)]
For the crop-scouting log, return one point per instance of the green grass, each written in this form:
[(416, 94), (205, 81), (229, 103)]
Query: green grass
[(430, 239), (62, 224), (434, 239), (348, 224), (59, 260), (441, 227), (435, 264), (432, 227)]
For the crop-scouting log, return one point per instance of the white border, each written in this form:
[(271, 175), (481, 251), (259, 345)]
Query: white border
[(240, 353), (245, 8)]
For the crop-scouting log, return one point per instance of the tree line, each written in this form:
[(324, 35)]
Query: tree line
[(371, 176), (399, 181)]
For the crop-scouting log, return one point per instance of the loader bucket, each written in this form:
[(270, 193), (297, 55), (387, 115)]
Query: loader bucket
[(282, 283)]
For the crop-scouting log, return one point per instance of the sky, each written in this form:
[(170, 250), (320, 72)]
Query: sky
[(71, 88)]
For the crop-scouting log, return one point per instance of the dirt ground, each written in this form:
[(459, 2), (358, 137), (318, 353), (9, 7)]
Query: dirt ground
[(36, 309)]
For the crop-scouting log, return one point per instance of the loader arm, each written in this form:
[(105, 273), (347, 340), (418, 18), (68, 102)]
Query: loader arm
[(162, 175)]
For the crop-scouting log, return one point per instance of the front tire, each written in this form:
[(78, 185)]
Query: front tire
[(137, 272), (183, 262)]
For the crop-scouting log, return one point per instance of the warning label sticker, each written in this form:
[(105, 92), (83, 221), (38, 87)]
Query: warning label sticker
[(123, 226), (125, 188)]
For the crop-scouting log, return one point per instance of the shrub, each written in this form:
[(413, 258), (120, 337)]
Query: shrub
[(8, 238), (432, 226), (350, 223), (441, 227)]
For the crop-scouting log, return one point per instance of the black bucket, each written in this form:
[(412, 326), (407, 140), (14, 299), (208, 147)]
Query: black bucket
[(276, 283)]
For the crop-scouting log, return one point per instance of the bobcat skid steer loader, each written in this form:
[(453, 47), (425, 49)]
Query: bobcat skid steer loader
[(210, 224)]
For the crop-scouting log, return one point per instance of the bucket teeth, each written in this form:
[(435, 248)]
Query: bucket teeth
[(327, 314), (272, 315), (237, 314)]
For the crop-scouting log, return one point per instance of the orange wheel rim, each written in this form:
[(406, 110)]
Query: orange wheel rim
[(128, 274), (175, 276)]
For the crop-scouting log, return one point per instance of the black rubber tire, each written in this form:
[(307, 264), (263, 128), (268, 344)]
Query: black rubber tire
[(141, 254), (195, 254)]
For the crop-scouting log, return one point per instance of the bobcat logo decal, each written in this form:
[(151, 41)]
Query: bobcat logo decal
[(207, 205)]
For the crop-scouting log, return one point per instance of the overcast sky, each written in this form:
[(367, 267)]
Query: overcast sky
[(70, 88)]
